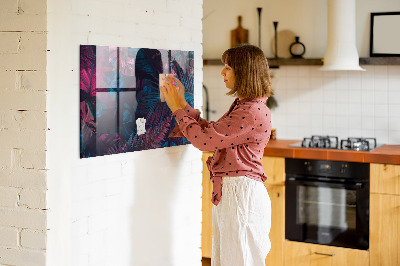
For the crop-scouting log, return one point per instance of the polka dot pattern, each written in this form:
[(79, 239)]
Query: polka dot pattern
[(238, 139)]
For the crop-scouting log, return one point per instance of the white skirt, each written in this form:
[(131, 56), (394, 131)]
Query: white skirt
[(241, 223)]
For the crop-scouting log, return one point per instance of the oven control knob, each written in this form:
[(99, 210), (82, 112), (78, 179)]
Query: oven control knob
[(308, 166), (343, 168)]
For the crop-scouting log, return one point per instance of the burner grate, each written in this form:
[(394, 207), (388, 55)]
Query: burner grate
[(327, 142), (358, 144)]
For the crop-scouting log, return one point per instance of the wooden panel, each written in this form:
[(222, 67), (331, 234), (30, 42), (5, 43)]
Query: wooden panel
[(206, 232), (384, 230), (274, 168), (277, 233), (385, 178), (304, 254)]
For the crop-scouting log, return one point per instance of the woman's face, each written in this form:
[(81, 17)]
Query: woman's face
[(229, 76)]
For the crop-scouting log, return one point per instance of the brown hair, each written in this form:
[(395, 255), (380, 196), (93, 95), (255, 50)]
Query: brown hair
[(250, 66)]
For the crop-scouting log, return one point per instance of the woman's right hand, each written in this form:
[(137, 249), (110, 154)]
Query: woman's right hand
[(181, 91)]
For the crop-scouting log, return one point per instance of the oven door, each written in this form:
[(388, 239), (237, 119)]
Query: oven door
[(327, 213)]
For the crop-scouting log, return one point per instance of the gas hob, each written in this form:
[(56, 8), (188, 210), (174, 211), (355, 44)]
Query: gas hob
[(332, 142)]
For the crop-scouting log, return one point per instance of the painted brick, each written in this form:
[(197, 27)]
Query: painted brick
[(23, 218), (16, 158), (34, 120), (31, 55), (12, 256), (24, 22), (8, 6), (33, 7), (33, 239), (33, 199), (30, 80), (191, 23), (23, 178), (22, 100), (168, 19), (33, 42), (5, 158), (9, 42), (33, 159), (23, 139), (177, 7), (7, 80), (8, 197), (196, 11), (9, 237)]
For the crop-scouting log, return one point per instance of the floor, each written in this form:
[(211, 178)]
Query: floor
[(206, 261)]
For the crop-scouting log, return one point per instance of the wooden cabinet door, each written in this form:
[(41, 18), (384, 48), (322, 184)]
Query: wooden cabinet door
[(274, 168), (277, 233), (206, 226), (385, 178), (384, 236), (304, 254)]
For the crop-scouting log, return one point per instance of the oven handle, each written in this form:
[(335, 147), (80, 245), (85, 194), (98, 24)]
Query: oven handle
[(357, 185)]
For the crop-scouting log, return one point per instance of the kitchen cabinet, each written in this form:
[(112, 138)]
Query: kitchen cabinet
[(206, 225), (385, 215), (385, 178), (274, 168), (305, 254)]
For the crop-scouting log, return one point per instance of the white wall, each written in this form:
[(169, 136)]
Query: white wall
[(140, 208), (306, 19), (23, 133), (311, 102)]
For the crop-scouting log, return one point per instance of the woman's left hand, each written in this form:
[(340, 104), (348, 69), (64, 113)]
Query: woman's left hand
[(170, 90)]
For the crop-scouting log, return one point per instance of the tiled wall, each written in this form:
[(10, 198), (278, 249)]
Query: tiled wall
[(313, 102), (344, 103)]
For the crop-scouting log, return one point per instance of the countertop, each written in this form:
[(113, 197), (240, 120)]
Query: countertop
[(388, 154)]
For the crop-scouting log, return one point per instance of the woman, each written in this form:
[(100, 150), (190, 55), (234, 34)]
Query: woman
[(242, 211)]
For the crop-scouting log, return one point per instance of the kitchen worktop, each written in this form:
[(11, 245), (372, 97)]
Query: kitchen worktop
[(389, 154)]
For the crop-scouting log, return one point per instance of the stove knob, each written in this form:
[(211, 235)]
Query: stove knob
[(308, 166), (343, 168)]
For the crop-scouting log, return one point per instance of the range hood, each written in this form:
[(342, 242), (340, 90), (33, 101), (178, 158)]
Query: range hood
[(341, 51)]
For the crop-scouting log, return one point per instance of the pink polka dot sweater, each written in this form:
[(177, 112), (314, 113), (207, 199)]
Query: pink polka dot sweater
[(238, 139)]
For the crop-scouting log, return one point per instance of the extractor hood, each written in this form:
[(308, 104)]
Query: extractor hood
[(341, 51)]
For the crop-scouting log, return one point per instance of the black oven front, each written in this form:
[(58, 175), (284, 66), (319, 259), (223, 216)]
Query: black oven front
[(327, 202)]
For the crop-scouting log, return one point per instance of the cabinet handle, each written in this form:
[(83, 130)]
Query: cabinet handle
[(324, 254)]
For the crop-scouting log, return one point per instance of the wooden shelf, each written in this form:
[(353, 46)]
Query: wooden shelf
[(380, 61), (274, 63)]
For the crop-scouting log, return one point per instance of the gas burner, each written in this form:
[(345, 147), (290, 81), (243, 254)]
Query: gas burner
[(327, 142), (332, 142), (358, 144)]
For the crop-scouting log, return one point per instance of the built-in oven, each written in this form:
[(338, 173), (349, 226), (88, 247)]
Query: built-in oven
[(327, 202)]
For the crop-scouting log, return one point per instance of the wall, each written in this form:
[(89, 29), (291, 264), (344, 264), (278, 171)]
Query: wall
[(140, 208), (23, 133), (311, 102), (306, 19)]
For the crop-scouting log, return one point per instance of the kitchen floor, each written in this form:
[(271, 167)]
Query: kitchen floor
[(206, 261)]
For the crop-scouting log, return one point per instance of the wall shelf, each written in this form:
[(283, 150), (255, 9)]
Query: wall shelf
[(274, 63), (380, 61)]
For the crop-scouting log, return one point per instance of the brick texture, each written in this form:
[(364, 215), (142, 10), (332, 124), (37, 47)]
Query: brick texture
[(23, 126)]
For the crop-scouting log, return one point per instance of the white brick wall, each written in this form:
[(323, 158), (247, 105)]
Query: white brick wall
[(140, 208), (23, 132)]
